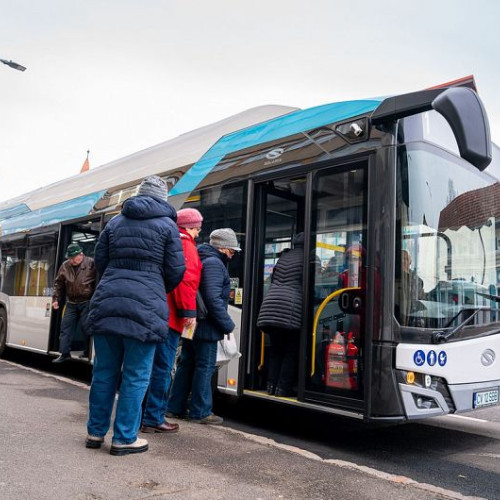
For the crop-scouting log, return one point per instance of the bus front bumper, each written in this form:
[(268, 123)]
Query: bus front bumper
[(420, 402)]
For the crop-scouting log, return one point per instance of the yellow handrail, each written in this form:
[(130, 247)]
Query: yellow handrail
[(316, 320), (262, 340)]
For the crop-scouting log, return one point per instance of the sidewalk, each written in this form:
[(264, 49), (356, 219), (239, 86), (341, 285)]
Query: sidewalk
[(43, 456)]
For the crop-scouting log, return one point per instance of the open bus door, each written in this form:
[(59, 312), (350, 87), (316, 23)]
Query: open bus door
[(85, 233), (330, 355)]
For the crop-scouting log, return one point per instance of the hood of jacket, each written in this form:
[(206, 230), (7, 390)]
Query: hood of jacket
[(147, 207), (206, 250)]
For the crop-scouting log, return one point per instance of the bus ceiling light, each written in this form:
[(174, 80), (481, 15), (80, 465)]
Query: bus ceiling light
[(410, 377)]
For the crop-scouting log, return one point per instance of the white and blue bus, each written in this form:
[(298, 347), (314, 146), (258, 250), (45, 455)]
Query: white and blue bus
[(398, 199)]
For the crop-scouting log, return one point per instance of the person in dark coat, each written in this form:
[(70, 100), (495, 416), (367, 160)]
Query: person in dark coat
[(280, 316), (139, 257), (198, 356)]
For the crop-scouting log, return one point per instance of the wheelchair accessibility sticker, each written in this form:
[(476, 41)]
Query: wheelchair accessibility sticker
[(419, 358)]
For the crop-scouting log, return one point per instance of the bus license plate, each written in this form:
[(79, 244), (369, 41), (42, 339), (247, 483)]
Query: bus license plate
[(486, 398)]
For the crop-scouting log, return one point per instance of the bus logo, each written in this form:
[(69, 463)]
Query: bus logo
[(488, 357), (275, 153)]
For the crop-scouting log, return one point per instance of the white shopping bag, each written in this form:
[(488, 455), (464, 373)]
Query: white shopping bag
[(227, 350)]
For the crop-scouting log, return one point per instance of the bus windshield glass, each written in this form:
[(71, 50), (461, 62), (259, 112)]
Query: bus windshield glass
[(447, 229)]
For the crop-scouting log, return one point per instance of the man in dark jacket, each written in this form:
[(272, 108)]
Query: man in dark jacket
[(75, 280), (198, 356), (280, 317), (139, 256)]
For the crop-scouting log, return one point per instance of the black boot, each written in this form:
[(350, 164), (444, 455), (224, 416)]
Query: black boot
[(271, 388), (284, 393), (62, 358)]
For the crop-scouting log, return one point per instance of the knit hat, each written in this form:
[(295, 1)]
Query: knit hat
[(73, 250), (189, 218), (153, 186), (224, 238)]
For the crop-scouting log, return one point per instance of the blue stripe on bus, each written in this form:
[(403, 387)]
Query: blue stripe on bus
[(276, 128), (6, 213), (66, 210)]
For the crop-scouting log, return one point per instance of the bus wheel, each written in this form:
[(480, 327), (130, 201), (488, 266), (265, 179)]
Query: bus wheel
[(3, 330)]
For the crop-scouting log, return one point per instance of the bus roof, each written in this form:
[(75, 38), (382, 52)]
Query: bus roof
[(202, 148), (183, 150)]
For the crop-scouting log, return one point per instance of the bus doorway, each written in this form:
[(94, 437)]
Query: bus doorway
[(85, 233), (329, 208), (278, 219)]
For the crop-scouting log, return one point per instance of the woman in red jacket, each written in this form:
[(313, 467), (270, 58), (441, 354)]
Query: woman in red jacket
[(182, 307)]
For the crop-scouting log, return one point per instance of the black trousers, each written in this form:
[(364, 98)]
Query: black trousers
[(74, 314), (283, 358)]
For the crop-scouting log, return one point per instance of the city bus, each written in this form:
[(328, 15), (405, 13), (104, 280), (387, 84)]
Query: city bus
[(398, 200)]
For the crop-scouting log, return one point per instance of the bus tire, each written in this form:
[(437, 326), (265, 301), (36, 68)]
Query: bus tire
[(3, 330)]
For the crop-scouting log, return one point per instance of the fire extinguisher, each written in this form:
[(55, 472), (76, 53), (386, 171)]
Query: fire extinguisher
[(335, 362), (352, 361)]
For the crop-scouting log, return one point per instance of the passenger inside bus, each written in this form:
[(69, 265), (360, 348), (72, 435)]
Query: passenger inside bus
[(409, 288), (280, 317)]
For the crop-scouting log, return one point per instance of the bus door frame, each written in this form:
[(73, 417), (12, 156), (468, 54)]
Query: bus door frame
[(253, 254), (340, 401)]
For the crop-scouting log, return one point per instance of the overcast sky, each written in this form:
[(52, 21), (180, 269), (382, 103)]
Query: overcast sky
[(117, 76)]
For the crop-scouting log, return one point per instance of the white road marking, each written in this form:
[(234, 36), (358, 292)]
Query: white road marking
[(393, 478), (452, 415), (48, 375)]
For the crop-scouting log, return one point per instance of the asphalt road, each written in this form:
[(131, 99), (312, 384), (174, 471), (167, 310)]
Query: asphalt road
[(458, 454)]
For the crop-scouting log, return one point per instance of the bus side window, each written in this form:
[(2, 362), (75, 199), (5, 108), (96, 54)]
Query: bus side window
[(13, 270), (224, 206)]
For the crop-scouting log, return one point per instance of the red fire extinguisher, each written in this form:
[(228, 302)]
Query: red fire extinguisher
[(352, 361), (335, 362)]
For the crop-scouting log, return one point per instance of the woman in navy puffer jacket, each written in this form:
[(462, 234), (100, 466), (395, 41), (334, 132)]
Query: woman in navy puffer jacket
[(198, 356), (139, 256), (280, 317)]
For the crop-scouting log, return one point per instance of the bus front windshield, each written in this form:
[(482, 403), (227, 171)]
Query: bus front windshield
[(448, 219)]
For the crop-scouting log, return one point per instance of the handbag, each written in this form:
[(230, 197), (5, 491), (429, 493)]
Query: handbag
[(201, 308), (227, 350)]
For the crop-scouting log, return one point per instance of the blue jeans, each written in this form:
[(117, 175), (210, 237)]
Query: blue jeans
[(115, 354), (194, 374), (74, 314), (161, 376)]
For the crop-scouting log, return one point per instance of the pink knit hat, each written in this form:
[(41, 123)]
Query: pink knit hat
[(189, 218)]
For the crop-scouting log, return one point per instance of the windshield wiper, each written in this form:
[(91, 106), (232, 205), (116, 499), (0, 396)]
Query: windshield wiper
[(440, 337)]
